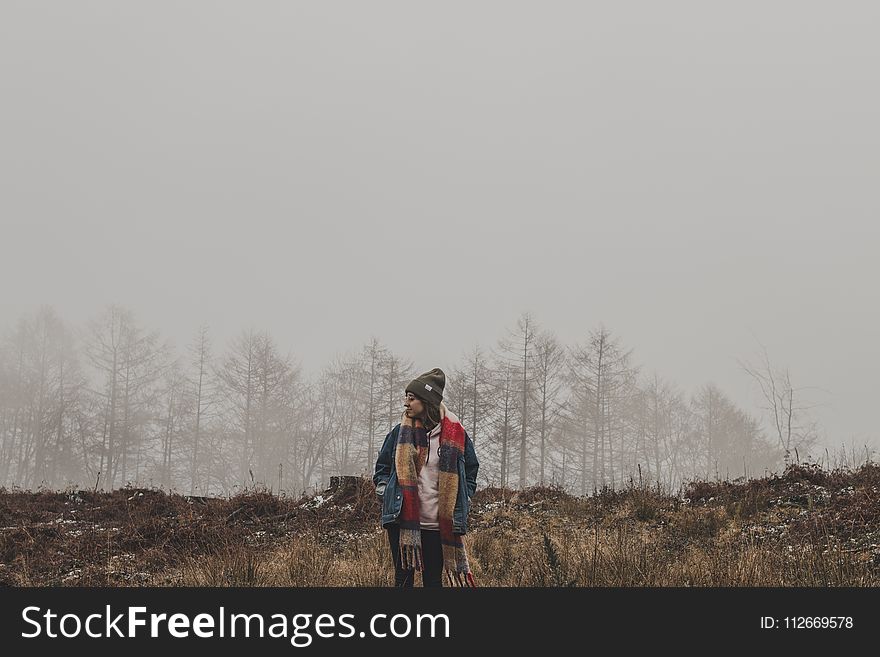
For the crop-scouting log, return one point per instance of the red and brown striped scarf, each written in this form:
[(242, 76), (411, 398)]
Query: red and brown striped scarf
[(409, 457)]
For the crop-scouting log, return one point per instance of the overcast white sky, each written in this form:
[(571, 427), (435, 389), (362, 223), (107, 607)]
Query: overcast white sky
[(692, 174)]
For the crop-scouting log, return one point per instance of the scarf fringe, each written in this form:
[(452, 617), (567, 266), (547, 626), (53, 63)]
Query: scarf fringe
[(461, 580), (411, 558), (411, 549)]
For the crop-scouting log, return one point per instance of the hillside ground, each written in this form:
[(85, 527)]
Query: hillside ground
[(806, 527)]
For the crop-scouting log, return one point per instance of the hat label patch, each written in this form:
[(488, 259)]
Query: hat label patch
[(428, 388)]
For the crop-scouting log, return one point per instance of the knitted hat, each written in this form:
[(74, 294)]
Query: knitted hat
[(429, 386)]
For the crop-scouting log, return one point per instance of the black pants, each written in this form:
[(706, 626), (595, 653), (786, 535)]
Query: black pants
[(432, 558)]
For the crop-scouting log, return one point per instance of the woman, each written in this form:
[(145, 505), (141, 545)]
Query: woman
[(426, 474)]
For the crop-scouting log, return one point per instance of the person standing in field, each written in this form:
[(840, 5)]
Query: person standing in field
[(426, 474)]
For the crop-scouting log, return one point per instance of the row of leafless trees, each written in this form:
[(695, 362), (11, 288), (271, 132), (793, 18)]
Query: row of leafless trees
[(112, 404)]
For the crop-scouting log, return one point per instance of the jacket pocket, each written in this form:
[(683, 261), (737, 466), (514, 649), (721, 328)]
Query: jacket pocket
[(389, 497)]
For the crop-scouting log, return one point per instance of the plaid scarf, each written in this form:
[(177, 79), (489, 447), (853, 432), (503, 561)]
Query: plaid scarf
[(409, 457)]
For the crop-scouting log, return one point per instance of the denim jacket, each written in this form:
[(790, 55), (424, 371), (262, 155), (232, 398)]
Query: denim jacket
[(387, 488)]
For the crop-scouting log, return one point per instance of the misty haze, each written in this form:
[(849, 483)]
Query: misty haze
[(640, 242), (704, 188)]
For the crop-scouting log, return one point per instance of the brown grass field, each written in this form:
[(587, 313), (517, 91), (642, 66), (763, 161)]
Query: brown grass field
[(806, 527)]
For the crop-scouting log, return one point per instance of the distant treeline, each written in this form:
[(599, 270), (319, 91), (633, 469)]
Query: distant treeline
[(112, 403)]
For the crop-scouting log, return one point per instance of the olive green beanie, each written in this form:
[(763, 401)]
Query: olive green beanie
[(429, 386)]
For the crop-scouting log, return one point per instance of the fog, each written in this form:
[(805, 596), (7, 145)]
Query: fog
[(699, 179)]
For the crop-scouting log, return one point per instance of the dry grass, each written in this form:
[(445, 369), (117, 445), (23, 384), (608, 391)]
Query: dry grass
[(805, 527)]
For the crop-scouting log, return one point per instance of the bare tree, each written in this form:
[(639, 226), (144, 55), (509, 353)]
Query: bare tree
[(602, 378), (711, 414), (238, 374), (658, 408), (40, 386), (374, 355), (502, 418), (177, 409), (104, 348), (144, 361), (277, 377), (517, 350), (261, 390), (202, 390), (726, 439), (128, 361), (396, 373), (789, 420), (470, 391), (316, 431), (550, 361), (12, 395)]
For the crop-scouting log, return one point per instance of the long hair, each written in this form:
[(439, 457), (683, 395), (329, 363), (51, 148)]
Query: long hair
[(432, 413)]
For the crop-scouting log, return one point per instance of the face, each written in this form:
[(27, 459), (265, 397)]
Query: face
[(413, 405)]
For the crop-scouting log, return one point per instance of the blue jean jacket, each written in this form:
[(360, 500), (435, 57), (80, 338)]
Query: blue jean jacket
[(385, 478)]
